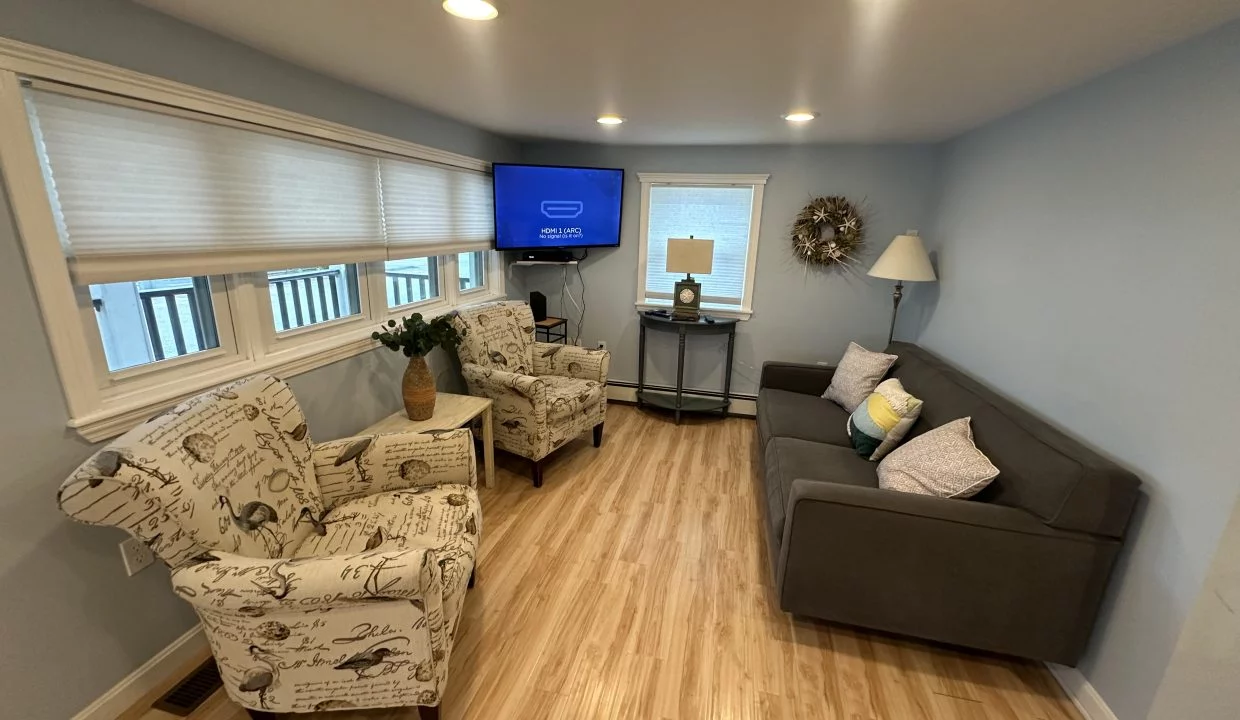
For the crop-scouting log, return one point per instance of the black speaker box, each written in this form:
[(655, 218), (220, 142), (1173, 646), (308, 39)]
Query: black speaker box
[(538, 303)]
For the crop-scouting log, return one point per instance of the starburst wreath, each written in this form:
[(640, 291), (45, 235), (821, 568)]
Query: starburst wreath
[(829, 232)]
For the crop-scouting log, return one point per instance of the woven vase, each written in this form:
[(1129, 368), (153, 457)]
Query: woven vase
[(418, 389)]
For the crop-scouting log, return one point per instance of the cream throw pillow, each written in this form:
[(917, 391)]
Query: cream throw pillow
[(857, 375), (943, 462)]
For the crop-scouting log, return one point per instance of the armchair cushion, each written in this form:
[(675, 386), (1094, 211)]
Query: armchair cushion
[(567, 396), (446, 519)]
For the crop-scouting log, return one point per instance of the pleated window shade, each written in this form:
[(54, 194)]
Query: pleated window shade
[(435, 210), (140, 194)]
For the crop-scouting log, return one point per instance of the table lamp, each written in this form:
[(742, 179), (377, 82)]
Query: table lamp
[(904, 259), (689, 255)]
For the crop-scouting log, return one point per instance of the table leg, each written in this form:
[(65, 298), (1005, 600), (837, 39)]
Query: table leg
[(727, 370), (680, 374), (641, 362), (488, 448)]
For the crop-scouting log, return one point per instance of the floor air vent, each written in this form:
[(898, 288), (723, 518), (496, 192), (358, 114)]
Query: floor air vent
[(192, 691)]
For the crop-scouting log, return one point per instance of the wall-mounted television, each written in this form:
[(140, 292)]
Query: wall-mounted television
[(548, 207)]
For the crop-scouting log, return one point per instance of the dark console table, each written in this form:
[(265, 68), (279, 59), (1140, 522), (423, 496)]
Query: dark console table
[(680, 402)]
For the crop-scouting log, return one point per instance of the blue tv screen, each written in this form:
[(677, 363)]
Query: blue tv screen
[(544, 207)]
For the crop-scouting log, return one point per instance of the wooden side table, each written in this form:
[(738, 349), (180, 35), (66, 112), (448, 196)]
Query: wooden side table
[(547, 325), (451, 411)]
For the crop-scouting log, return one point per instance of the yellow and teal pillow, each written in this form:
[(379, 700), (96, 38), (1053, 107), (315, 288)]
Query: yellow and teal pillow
[(882, 420)]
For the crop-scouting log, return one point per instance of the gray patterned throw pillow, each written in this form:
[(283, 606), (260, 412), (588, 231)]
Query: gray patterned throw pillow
[(857, 375), (943, 462)]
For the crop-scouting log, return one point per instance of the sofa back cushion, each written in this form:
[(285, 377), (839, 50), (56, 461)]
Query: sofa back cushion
[(1041, 469), (226, 470)]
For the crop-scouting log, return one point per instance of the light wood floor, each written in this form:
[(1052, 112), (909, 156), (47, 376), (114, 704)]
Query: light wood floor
[(634, 584)]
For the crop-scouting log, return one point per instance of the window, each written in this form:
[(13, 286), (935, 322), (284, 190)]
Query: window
[(175, 249), (724, 208), (152, 320), (312, 295), (411, 281), (472, 270)]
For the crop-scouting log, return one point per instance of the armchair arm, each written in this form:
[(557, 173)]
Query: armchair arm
[(797, 377), (571, 361), (239, 585), (355, 467), (519, 409), (503, 385)]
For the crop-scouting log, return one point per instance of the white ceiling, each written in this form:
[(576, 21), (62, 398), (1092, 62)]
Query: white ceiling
[(713, 71)]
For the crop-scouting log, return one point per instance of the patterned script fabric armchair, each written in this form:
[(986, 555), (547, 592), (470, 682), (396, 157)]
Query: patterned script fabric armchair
[(545, 394), (326, 576)]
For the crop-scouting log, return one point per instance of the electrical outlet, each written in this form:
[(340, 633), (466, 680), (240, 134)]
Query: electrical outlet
[(137, 556), (602, 344)]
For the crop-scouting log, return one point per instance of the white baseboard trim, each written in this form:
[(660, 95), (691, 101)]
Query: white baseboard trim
[(1082, 694), (153, 674), (740, 406)]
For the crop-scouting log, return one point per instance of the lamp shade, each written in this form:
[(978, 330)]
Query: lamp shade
[(690, 255), (904, 259)]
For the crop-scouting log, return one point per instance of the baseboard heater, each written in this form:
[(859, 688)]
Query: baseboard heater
[(687, 391)]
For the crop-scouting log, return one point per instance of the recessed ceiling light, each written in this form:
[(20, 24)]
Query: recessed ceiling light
[(471, 9), (610, 119), (800, 117)]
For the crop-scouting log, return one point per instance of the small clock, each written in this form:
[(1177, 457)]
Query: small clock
[(687, 300)]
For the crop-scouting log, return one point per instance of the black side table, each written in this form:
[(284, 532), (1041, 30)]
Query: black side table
[(679, 402), (547, 329)]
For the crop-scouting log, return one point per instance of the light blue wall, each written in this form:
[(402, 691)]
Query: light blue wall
[(1088, 249), (1085, 247), (799, 315), (73, 624)]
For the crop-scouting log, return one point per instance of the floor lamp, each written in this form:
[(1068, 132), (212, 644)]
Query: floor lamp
[(905, 259)]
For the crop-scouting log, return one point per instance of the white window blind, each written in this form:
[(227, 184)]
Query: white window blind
[(719, 213), (435, 210), (143, 195)]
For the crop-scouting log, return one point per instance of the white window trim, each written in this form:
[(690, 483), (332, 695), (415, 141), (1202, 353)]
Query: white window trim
[(649, 180), (100, 410), (378, 293)]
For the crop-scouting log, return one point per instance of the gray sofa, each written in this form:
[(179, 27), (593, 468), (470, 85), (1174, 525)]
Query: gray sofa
[(1020, 569)]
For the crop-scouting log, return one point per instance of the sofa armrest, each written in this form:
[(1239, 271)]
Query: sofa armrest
[(355, 467), (571, 361), (796, 377), (239, 585), (956, 571)]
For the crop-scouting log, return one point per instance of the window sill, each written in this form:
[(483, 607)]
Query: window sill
[(123, 413), (742, 314)]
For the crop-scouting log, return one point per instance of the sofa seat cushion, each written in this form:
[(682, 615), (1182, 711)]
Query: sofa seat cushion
[(788, 459), (447, 518), (566, 395), (782, 413)]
